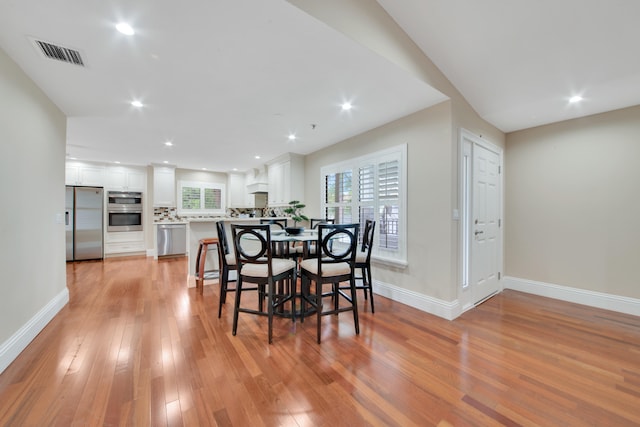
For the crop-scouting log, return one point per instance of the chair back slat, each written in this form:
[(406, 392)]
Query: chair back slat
[(222, 237), (367, 236), (315, 222), (252, 245), (252, 242), (337, 243), (279, 223)]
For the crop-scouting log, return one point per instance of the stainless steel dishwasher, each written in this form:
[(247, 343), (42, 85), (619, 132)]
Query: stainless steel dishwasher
[(172, 239)]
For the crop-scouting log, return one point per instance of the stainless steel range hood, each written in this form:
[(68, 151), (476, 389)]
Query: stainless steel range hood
[(257, 188)]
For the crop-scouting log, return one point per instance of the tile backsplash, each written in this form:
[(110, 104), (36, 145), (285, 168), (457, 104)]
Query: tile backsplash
[(171, 214), (165, 214)]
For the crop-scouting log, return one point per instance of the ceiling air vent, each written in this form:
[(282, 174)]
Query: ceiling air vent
[(59, 53)]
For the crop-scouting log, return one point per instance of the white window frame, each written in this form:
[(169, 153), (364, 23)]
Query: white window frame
[(202, 186), (395, 257)]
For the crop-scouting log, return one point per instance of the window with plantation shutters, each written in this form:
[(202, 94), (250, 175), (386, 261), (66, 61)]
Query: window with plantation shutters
[(367, 194), (191, 198), (388, 203), (371, 187), (212, 198), (338, 196), (201, 198)]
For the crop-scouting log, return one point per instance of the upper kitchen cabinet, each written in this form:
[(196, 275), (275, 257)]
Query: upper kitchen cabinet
[(237, 194), (88, 174), (286, 179), (126, 178), (164, 186)]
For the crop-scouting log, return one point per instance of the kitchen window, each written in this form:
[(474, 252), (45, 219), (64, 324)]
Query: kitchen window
[(201, 198), (371, 187)]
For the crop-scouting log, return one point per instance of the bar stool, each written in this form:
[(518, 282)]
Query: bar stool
[(201, 273)]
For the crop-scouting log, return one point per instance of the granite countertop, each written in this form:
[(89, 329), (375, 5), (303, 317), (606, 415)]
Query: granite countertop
[(208, 219), (171, 221), (228, 218)]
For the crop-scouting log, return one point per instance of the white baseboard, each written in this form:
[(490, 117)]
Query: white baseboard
[(579, 296), (11, 348), (437, 307)]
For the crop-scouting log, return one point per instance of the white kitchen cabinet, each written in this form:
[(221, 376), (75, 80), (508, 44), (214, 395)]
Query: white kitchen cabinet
[(237, 193), (126, 178), (276, 184), (78, 173), (286, 180), (124, 242), (164, 186)]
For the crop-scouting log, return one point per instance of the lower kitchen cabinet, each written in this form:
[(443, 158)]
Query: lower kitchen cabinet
[(124, 243)]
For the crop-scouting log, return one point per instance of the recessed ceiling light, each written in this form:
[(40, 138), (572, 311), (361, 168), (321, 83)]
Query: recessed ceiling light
[(137, 104), (292, 137), (125, 28), (168, 144), (204, 169), (574, 99), (346, 106), (166, 162), (235, 169), (116, 162), (257, 157)]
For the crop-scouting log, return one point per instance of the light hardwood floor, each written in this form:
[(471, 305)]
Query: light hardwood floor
[(136, 347)]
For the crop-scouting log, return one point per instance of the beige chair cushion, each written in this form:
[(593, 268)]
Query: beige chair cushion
[(296, 249), (231, 259), (261, 270), (328, 270), (361, 256)]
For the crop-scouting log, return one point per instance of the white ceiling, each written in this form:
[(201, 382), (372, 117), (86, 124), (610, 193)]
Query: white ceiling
[(517, 62), (226, 80)]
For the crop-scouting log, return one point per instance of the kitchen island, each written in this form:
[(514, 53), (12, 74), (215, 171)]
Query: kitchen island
[(201, 228)]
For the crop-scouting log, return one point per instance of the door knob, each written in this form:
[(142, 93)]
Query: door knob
[(478, 232)]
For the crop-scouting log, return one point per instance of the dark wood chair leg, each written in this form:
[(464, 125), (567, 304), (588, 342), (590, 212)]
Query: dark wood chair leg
[(370, 287), (236, 306), (319, 309), (224, 278), (354, 305)]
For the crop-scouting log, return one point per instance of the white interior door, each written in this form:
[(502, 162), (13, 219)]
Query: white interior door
[(480, 219), (485, 224)]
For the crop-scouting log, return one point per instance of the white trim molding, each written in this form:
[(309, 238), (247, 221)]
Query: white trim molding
[(11, 348), (437, 307), (611, 302)]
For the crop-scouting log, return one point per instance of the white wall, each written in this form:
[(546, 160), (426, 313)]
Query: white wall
[(436, 140), (32, 243), (430, 224), (573, 203)]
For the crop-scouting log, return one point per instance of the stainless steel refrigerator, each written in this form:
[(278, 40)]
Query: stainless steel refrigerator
[(84, 220)]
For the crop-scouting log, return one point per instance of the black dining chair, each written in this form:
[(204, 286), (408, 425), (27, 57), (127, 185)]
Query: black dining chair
[(311, 250), (257, 265), (281, 223), (280, 250), (314, 222), (227, 261), (337, 247), (363, 261)]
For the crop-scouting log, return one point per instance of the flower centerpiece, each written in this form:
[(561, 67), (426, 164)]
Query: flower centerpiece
[(295, 211)]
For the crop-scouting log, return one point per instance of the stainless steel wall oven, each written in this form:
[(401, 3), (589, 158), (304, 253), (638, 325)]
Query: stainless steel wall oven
[(124, 209)]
